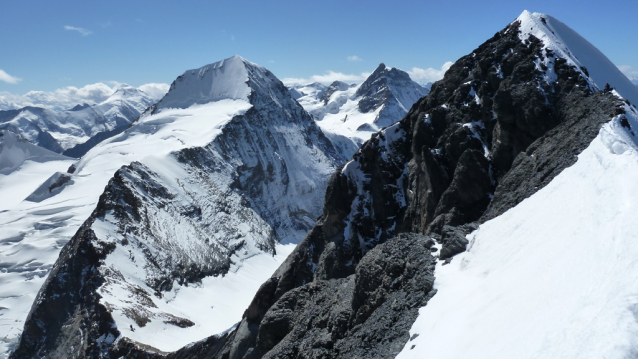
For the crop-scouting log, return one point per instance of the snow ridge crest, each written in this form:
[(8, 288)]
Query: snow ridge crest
[(564, 42)]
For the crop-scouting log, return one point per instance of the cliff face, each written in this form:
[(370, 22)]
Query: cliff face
[(504, 121)]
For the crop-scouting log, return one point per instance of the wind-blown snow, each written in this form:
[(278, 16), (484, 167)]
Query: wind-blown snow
[(554, 277), (566, 43)]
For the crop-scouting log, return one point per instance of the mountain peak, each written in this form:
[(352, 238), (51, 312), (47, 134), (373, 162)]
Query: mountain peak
[(226, 79), (564, 42), (79, 107), (386, 82), (234, 78), (125, 91)]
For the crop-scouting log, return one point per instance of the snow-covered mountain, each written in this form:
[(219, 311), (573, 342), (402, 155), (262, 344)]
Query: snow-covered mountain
[(349, 114), (516, 178), (315, 90), (174, 223), (74, 131)]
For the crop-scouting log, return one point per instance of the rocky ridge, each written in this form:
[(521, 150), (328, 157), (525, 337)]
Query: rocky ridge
[(502, 123)]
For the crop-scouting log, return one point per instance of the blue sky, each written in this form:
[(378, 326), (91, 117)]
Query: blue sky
[(140, 42)]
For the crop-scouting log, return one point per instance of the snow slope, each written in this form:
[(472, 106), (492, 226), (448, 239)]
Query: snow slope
[(215, 304), (554, 277), (62, 130), (234, 117), (14, 151), (568, 44), (23, 167)]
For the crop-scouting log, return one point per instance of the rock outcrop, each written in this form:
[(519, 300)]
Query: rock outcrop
[(496, 129)]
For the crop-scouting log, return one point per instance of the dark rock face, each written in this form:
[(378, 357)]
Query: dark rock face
[(365, 315), (491, 133), (391, 88), (69, 303), (334, 87), (552, 153)]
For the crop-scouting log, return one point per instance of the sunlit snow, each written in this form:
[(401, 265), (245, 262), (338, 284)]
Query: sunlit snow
[(557, 275), (33, 233)]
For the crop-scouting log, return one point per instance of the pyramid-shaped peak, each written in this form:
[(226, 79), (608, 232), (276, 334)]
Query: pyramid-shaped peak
[(222, 80), (233, 62), (234, 78), (580, 53), (386, 75), (126, 89)]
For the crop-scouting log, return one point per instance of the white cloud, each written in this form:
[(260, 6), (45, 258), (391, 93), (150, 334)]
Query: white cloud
[(328, 77), (68, 97), (354, 58), (82, 31), (417, 74), (430, 74), (8, 78), (631, 74), (155, 90)]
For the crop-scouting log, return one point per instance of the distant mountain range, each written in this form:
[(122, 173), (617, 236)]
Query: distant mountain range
[(74, 131)]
